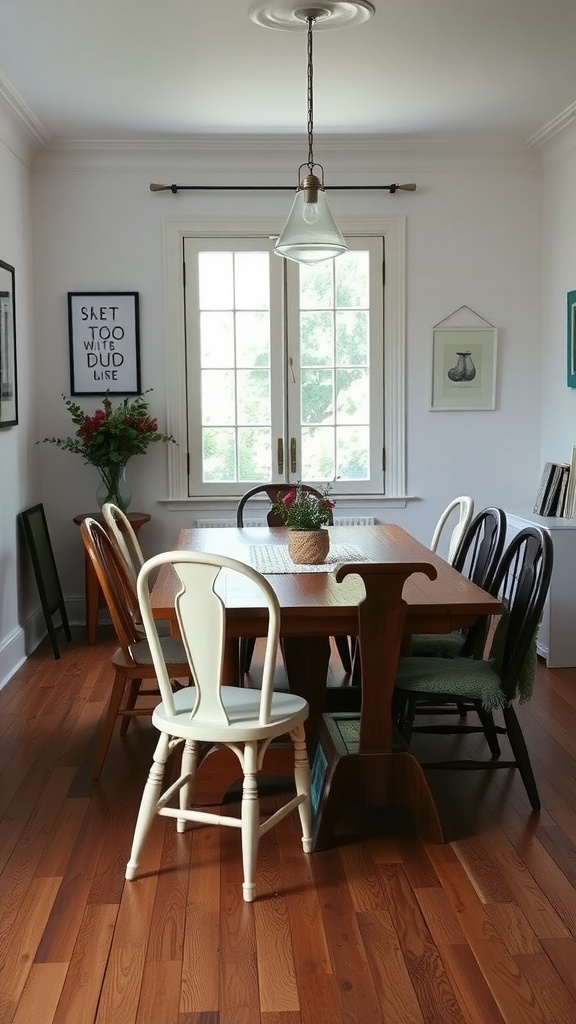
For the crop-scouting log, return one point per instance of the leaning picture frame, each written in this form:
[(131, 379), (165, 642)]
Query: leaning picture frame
[(8, 375), (104, 337), (571, 339), (463, 368)]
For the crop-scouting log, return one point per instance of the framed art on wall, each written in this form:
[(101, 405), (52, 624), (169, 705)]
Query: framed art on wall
[(571, 339), (464, 368), (104, 335), (8, 382)]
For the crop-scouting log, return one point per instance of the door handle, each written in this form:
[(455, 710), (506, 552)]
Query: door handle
[(292, 454), (280, 456)]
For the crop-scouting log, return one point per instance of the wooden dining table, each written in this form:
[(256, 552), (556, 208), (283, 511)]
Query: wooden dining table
[(314, 606)]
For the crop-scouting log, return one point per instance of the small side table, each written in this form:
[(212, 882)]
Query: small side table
[(93, 593)]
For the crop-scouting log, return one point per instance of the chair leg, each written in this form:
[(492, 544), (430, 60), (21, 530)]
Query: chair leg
[(521, 755), (343, 648), (149, 803), (109, 722), (250, 820), (189, 767), (303, 785), (133, 691), (487, 721)]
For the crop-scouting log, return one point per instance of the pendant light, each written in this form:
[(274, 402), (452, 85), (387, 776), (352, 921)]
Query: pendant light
[(310, 234)]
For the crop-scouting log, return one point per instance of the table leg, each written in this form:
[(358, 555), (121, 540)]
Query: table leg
[(306, 661), (231, 666)]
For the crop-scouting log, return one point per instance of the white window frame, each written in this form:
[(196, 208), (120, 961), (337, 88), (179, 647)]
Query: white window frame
[(393, 230)]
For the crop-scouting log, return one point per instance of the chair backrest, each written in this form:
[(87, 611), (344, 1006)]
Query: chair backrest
[(201, 617), (521, 582), (123, 534), (465, 507), (273, 490), (481, 547), (115, 583)]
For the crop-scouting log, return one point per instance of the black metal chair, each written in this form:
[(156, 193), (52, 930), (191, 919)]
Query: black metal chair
[(492, 683), (272, 491)]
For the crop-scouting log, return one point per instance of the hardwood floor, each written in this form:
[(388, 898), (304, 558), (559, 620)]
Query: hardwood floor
[(481, 930)]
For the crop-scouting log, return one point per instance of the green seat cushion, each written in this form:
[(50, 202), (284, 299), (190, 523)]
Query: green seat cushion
[(437, 645), (453, 678)]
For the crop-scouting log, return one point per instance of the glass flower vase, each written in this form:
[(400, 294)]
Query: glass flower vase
[(113, 487)]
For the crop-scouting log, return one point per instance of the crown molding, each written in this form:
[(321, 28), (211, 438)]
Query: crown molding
[(558, 124), (27, 131), (276, 158)]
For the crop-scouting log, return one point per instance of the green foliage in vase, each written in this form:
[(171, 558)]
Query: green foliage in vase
[(302, 510), (111, 436)]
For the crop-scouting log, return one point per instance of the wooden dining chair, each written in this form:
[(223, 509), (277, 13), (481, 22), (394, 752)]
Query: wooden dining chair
[(272, 490), (493, 684), (477, 558), (123, 534), (132, 660), (210, 713), (464, 507)]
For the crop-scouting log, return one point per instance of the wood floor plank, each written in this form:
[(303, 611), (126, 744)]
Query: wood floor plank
[(510, 988), (81, 990), (25, 934), (41, 994), (201, 952), (551, 993), (435, 994), (159, 996), (351, 971), (396, 995), (276, 970), (472, 989)]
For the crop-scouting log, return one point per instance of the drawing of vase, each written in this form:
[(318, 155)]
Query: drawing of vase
[(464, 369)]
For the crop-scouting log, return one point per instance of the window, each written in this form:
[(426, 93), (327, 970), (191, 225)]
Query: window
[(278, 368)]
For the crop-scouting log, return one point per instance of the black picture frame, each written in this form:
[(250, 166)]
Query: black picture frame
[(571, 339), (104, 337), (35, 528), (8, 364)]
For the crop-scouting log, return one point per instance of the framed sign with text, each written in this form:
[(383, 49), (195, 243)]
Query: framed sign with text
[(104, 335)]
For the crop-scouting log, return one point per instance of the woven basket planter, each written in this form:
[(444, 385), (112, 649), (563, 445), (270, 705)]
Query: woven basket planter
[(308, 547)]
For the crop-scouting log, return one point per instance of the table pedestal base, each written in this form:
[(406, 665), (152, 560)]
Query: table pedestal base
[(342, 776)]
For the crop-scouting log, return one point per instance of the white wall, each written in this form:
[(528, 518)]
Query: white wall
[(473, 237), (559, 248), (20, 487)]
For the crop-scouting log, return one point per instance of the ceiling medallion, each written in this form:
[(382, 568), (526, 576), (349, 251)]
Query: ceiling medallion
[(292, 15)]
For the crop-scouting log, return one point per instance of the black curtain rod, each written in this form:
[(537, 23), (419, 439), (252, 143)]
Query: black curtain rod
[(276, 188)]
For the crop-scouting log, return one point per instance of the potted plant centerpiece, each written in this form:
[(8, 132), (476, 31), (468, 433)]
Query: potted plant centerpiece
[(306, 512), (108, 438)]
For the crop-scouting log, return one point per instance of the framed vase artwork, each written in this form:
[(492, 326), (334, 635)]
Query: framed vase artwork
[(464, 368), (571, 339), (104, 336), (8, 382)]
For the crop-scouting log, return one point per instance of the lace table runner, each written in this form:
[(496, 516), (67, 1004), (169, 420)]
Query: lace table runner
[(274, 558)]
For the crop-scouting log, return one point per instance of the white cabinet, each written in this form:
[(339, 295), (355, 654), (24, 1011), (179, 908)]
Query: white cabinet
[(557, 636)]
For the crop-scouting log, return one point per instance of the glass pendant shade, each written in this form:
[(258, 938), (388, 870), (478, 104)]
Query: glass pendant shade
[(310, 234)]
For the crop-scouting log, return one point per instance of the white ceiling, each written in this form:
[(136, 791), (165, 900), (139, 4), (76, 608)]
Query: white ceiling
[(147, 69)]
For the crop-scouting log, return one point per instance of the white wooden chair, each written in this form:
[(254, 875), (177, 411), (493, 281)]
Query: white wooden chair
[(125, 538), (465, 509), (209, 713)]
